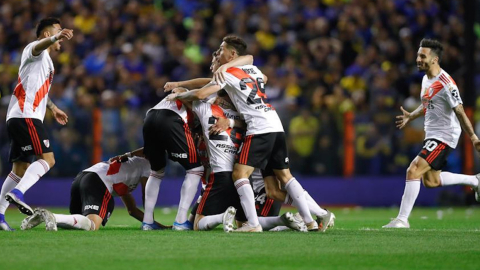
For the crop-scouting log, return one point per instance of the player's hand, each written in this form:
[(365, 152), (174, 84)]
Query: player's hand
[(169, 86), (220, 125), (60, 116), (119, 158), (177, 90), (219, 76), (476, 144), (403, 119), (64, 34)]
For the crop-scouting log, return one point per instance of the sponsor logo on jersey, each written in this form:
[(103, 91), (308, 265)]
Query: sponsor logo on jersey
[(27, 148), (47, 143), (179, 155), (249, 70), (93, 207)]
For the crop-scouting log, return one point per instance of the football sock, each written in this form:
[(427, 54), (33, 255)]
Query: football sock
[(449, 179), (410, 194), (187, 193), (247, 200), (151, 194), (270, 222), (36, 170), (210, 222), (74, 222), (10, 182), (315, 209), (296, 192)]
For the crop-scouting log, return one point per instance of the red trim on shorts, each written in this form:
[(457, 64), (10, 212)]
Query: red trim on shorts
[(192, 152), (434, 154), (245, 149), (106, 199), (205, 194), (267, 207), (37, 147)]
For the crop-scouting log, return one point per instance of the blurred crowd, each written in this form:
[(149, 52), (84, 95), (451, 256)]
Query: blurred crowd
[(323, 58)]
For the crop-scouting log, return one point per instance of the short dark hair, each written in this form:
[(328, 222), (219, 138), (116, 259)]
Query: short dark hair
[(44, 23), (435, 46), (237, 43), (222, 93)]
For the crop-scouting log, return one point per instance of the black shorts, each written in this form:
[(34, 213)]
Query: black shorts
[(266, 207), (264, 151), (164, 131), (89, 195), (28, 138), (219, 194), (435, 152)]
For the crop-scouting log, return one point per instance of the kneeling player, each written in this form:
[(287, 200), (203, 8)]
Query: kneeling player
[(91, 203)]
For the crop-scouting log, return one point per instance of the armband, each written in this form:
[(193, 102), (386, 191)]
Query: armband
[(53, 39)]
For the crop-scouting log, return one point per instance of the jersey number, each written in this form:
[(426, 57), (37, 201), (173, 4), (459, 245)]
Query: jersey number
[(234, 132), (430, 145), (258, 88)]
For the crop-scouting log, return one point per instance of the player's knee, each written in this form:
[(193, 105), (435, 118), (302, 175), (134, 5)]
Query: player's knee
[(238, 174), (412, 172), (429, 182)]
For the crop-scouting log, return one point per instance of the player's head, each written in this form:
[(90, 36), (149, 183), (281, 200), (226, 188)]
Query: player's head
[(215, 64), (223, 100), (429, 54), (231, 48), (48, 27)]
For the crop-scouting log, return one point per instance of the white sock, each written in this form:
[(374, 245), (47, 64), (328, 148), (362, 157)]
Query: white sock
[(412, 188), (315, 209), (74, 222), (187, 193), (10, 182), (270, 222), (296, 192), (210, 222), (151, 194), (247, 199), (450, 179), (36, 170)]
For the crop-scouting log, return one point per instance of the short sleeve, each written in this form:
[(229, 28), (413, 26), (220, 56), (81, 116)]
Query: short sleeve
[(452, 95)]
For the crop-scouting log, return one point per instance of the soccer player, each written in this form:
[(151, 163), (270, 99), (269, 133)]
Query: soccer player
[(92, 192), (264, 146), (26, 111), (444, 121)]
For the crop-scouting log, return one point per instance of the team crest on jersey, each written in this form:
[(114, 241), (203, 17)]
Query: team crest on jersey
[(47, 143)]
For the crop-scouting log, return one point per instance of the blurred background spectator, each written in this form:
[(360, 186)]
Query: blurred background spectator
[(323, 58)]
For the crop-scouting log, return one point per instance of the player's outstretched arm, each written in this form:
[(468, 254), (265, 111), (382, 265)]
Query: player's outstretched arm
[(190, 84), (133, 210), (406, 117), (122, 158), (44, 43), (197, 94), (467, 126), (60, 116), (239, 61)]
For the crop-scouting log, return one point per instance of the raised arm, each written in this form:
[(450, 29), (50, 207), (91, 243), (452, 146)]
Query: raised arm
[(406, 117), (197, 94), (467, 126), (190, 84), (239, 61), (44, 43)]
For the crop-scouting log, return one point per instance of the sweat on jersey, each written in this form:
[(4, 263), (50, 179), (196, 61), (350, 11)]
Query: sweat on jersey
[(245, 86), (35, 75), (439, 96), (122, 178)]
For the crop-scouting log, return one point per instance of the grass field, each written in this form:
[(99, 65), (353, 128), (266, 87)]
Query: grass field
[(440, 238)]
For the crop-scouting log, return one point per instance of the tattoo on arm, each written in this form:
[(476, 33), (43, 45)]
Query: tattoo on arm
[(50, 104)]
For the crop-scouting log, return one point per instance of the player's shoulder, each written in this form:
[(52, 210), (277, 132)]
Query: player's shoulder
[(446, 79), (246, 69)]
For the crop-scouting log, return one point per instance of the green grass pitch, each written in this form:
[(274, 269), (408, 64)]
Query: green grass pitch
[(440, 238)]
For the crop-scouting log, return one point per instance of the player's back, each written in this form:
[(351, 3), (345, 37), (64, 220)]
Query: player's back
[(439, 96), (121, 178), (222, 147), (246, 87), (175, 106), (35, 75)]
